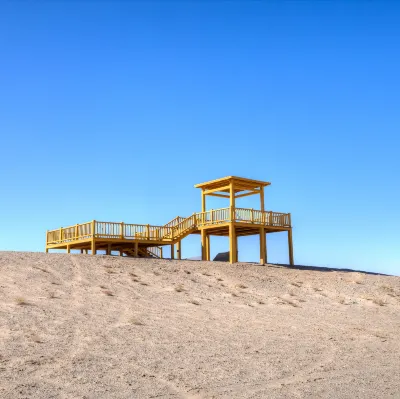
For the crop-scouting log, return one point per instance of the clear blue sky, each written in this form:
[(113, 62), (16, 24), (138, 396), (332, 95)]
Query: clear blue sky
[(114, 110)]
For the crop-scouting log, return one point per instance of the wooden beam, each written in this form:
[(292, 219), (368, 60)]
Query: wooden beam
[(232, 244), (203, 201), (290, 244), (136, 249), (232, 202), (93, 247), (179, 246), (262, 246), (242, 187), (208, 247), (213, 190), (246, 194), (219, 195), (203, 244), (262, 199), (172, 251)]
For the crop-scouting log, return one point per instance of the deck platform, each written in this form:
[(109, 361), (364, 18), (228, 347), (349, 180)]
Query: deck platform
[(148, 240)]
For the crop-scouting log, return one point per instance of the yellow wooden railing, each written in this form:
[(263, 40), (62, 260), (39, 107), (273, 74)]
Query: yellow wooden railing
[(173, 230), (174, 221)]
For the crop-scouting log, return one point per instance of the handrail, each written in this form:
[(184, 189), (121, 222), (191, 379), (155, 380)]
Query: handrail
[(174, 221), (170, 232)]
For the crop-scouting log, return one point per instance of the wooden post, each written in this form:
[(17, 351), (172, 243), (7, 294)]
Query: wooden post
[(81, 251), (262, 246), (122, 230), (266, 249), (172, 251), (109, 249), (203, 244), (232, 244), (93, 247), (232, 201), (148, 231), (208, 247), (290, 243), (179, 246), (262, 205), (161, 252), (68, 249), (232, 230), (76, 232), (203, 201), (136, 249), (121, 253)]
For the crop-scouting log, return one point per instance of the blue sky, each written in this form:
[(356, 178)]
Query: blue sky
[(114, 110)]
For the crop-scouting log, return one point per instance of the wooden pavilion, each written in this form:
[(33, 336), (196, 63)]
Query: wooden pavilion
[(148, 240)]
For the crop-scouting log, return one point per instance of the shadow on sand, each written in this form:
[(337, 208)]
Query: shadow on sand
[(323, 269)]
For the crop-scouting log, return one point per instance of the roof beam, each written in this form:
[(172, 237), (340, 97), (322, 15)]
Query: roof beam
[(219, 195), (208, 192), (246, 194)]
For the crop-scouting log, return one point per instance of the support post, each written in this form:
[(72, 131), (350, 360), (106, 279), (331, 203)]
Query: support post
[(161, 253), (290, 244), (232, 244), (232, 201), (262, 205), (178, 250), (266, 249), (68, 249), (136, 249), (172, 251), (81, 251), (208, 251), (93, 247), (262, 246), (203, 244), (109, 249), (93, 229), (203, 201)]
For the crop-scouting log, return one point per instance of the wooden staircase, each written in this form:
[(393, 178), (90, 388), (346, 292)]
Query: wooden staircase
[(182, 229), (153, 252)]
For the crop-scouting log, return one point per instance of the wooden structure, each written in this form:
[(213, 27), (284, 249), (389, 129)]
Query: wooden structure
[(148, 240)]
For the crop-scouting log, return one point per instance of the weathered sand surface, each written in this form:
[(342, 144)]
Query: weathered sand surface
[(76, 326)]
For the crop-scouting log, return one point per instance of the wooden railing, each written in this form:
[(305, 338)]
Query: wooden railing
[(244, 215), (155, 251), (71, 233), (174, 221), (184, 226), (172, 231)]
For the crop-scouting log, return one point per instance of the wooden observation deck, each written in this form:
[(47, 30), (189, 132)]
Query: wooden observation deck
[(148, 240)]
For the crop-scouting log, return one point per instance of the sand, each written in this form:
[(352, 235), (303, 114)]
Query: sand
[(77, 326)]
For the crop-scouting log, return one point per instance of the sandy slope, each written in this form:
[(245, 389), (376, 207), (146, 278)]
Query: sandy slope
[(76, 326)]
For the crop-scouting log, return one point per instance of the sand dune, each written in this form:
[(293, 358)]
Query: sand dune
[(76, 326)]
